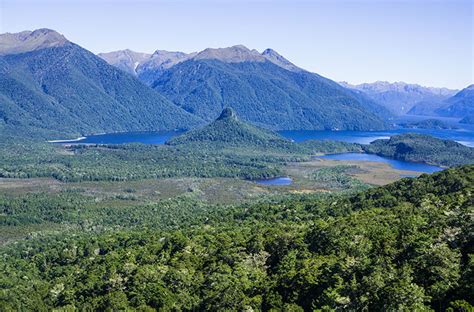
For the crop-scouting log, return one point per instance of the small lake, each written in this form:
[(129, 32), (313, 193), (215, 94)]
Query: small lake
[(397, 164), (281, 181)]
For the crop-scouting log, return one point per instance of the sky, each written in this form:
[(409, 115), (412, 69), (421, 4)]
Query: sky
[(417, 41)]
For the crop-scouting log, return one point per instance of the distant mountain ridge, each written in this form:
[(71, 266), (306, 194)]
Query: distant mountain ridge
[(400, 97), (146, 65), (460, 105), (126, 60), (234, 54), (267, 95)]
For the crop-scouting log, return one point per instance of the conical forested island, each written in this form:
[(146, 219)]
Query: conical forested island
[(228, 130)]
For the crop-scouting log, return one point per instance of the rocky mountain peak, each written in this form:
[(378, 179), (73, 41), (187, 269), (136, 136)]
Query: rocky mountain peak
[(234, 54), (227, 113), (27, 41), (277, 59)]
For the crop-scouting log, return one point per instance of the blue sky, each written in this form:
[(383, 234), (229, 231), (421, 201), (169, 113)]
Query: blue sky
[(426, 42)]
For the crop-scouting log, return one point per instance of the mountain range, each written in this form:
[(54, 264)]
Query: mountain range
[(461, 105), (50, 85), (264, 88), (400, 97), (147, 66)]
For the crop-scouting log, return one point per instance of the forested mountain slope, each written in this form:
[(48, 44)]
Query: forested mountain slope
[(65, 90), (265, 94)]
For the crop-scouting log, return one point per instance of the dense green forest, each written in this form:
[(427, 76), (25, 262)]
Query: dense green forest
[(422, 148), (27, 159), (407, 246), (228, 130)]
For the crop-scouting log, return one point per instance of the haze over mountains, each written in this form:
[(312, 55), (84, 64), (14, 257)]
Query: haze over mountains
[(460, 105), (27, 41), (400, 97)]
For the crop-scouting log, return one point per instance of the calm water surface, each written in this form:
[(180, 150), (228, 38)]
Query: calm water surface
[(151, 137), (463, 136), (275, 181)]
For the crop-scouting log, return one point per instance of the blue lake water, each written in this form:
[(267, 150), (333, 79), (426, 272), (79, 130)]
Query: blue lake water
[(151, 137), (275, 181), (397, 164), (464, 136)]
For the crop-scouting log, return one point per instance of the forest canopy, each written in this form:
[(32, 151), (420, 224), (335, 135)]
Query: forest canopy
[(406, 246)]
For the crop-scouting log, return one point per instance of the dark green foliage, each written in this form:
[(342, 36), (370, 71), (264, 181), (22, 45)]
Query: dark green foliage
[(140, 161), (134, 161), (329, 147), (228, 131), (267, 95), (422, 148), (337, 177), (67, 91), (404, 247)]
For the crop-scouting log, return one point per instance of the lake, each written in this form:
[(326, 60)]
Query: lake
[(150, 137), (397, 164), (281, 181), (464, 135)]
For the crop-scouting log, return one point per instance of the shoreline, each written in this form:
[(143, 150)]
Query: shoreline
[(66, 141)]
